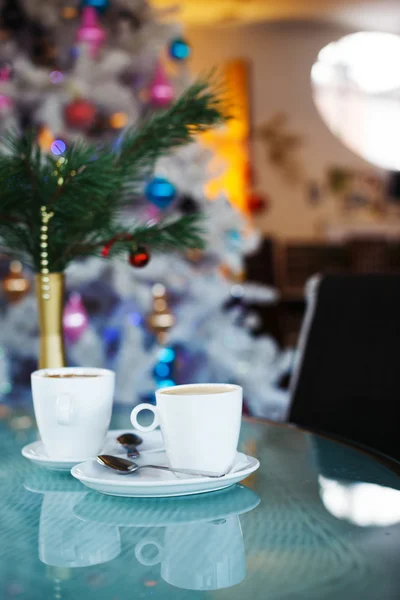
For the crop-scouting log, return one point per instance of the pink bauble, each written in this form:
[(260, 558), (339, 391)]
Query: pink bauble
[(90, 32), (152, 213), (75, 318), (161, 91), (5, 73), (5, 103)]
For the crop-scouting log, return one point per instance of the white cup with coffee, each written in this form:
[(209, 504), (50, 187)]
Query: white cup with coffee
[(200, 424), (73, 409)]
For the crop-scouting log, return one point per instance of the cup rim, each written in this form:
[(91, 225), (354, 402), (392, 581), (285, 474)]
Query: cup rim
[(230, 387), (38, 374)]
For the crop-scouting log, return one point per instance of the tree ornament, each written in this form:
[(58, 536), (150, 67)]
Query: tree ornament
[(161, 192), (194, 255), (257, 203), (179, 49), (161, 90), (90, 31), (139, 257), (6, 102), (75, 318), (80, 114), (15, 284), (100, 5), (161, 318), (152, 214)]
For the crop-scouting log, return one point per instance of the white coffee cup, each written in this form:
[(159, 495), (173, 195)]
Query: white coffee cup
[(73, 413), (200, 424)]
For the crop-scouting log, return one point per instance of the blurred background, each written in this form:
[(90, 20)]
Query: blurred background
[(302, 180)]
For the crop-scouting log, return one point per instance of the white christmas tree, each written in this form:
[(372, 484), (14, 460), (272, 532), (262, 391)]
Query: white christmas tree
[(91, 69)]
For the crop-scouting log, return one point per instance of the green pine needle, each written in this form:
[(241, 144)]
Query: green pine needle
[(88, 187)]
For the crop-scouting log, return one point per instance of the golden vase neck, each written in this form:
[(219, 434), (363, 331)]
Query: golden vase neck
[(50, 299)]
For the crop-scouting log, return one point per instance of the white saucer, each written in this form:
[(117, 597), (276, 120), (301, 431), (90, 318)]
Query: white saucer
[(150, 483), (35, 452)]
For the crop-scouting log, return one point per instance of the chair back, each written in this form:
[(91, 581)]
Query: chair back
[(347, 378)]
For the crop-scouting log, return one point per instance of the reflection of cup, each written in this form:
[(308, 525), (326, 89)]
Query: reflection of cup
[(200, 424), (66, 541), (199, 556), (73, 410)]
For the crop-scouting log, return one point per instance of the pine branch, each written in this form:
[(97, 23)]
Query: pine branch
[(197, 110), (89, 185), (179, 234)]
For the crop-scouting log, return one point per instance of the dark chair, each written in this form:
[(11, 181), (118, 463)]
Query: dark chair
[(347, 378)]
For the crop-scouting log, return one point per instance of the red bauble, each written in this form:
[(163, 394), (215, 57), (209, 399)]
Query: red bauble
[(256, 203), (140, 257), (80, 114)]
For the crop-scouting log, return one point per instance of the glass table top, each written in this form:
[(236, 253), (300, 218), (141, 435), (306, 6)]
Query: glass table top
[(318, 520)]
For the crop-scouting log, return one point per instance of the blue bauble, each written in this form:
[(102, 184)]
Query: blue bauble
[(179, 49), (160, 192), (100, 5)]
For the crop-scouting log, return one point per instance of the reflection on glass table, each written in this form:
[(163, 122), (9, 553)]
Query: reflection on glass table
[(363, 504), (227, 545), (64, 541), (196, 540)]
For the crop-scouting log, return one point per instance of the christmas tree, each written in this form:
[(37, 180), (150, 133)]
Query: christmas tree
[(90, 70)]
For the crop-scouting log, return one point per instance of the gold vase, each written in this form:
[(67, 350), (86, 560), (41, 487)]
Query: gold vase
[(50, 299)]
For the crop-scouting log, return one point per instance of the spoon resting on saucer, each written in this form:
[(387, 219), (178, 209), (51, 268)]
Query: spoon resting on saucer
[(124, 467)]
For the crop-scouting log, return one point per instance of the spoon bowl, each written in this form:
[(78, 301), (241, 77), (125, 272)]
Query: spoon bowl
[(129, 439)]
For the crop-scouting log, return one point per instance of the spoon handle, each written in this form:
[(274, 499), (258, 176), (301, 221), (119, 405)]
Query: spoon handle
[(183, 471)]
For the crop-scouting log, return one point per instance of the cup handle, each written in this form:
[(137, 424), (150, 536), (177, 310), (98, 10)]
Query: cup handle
[(149, 562), (139, 409), (65, 410)]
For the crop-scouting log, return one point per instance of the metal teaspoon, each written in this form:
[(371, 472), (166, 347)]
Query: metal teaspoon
[(130, 441), (124, 467)]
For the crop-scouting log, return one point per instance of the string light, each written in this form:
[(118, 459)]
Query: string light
[(119, 120), (56, 77), (58, 147), (45, 139)]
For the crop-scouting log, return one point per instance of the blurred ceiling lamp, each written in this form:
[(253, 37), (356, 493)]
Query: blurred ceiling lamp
[(356, 87)]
